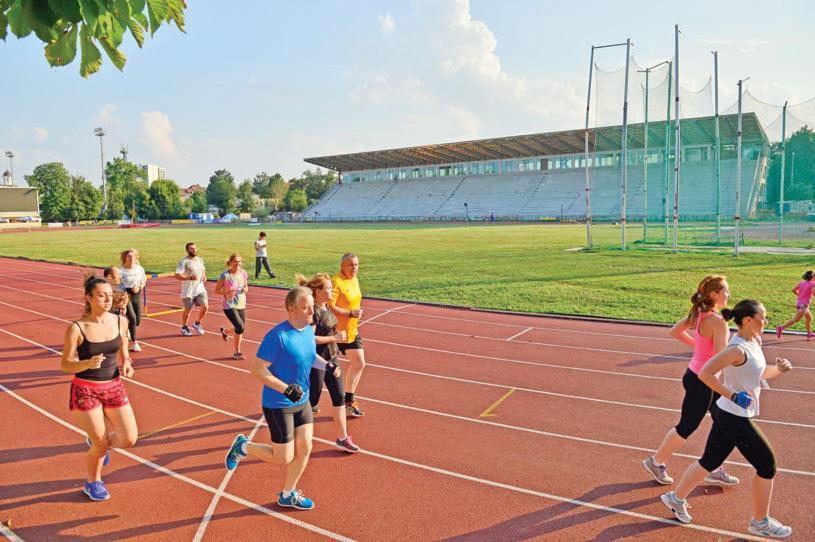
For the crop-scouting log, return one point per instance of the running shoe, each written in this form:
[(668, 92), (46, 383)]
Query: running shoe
[(238, 356), (186, 331), (778, 331), (198, 328), (96, 491), (234, 455), (272, 276), (769, 527), (352, 409), (810, 335), (658, 472), (296, 500), (346, 445), (107, 454), (224, 334), (136, 346), (677, 506), (315, 409), (721, 478)]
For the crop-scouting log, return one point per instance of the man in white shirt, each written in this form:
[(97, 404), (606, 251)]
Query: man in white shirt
[(192, 274), (261, 258)]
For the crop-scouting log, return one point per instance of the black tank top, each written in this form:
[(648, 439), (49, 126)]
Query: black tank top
[(109, 368)]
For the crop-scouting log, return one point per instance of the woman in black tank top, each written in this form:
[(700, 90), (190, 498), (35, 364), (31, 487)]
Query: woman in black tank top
[(96, 354)]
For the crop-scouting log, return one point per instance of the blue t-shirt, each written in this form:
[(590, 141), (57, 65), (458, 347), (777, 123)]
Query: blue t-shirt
[(290, 353)]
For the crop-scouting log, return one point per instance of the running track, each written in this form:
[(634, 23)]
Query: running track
[(558, 459)]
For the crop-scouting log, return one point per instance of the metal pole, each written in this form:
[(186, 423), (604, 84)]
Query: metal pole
[(783, 165), (738, 176), (792, 173), (100, 133), (645, 165), (717, 150), (666, 194), (586, 141), (677, 134), (624, 187), (10, 155)]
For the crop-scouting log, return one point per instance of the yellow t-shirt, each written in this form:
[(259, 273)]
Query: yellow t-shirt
[(348, 296)]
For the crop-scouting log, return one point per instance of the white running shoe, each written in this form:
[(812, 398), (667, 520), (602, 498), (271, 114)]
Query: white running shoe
[(136, 346), (198, 329), (186, 331), (677, 506), (658, 472), (769, 527), (720, 478)]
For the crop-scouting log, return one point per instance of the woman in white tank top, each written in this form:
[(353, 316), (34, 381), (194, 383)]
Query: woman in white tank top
[(743, 367)]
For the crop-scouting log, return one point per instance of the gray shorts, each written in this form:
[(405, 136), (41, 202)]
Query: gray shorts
[(200, 300)]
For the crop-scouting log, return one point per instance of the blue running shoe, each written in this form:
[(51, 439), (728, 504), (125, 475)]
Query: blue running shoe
[(234, 455), (107, 455), (295, 500), (96, 491)]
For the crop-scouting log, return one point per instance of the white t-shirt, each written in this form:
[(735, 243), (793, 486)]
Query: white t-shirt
[(260, 248), (188, 267), (745, 377), (133, 277)]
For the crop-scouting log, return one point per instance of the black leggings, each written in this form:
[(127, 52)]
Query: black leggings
[(262, 260), (698, 400), (237, 317), (133, 313), (731, 431), (336, 388)]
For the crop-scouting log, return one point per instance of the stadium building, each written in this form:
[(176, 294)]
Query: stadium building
[(542, 176)]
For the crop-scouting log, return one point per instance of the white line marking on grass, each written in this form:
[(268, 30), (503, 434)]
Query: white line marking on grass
[(202, 527), (434, 413), (518, 334), (181, 477)]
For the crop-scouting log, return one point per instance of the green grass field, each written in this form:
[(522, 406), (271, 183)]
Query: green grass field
[(511, 267)]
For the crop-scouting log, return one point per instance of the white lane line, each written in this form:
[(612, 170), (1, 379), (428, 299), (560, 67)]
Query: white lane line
[(9, 534), (433, 413), (385, 313), (202, 527), (178, 476), (518, 334), (445, 472)]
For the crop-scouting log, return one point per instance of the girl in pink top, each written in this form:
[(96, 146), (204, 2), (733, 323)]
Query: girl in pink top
[(804, 291), (710, 336)]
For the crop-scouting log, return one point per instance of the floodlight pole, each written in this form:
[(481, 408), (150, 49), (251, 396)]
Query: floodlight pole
[(10, 155), (738, 174), (100, 133), (667, 191), (783, 165), (677, 134), (717, 150), (647, 72), (624, 158), (586, 142)]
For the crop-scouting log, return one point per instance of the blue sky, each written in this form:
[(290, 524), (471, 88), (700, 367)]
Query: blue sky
[(261, 85)]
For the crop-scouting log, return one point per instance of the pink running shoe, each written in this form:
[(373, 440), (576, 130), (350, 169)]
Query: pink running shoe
[(778, 331), (346, 445)]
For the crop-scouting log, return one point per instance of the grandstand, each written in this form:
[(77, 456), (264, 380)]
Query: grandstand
[(542, 176)]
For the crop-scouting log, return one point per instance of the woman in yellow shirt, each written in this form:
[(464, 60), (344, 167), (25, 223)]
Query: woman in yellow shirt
[(346, 303)]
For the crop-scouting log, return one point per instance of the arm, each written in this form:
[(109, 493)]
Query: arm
[(782, 365), (219, 287), (261, 372), (124, 354), (680, 332), (70, 362), (732, 355), (796, 290)]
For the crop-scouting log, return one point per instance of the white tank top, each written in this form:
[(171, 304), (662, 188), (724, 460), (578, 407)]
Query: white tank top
[(745, 377)]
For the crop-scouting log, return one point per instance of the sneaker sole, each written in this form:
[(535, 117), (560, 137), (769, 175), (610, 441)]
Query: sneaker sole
[(721, 483), (344, 449), (294, 506), (670, 507), (657, 480), (95, 500), (756, 532)]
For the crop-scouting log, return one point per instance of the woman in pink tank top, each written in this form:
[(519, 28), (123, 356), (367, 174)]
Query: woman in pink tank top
[(803, 290), (710, 336)]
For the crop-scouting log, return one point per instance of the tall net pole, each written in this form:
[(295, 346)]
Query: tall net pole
[(586, 141), (667, 162), (783, 165), (624, 187), (738, 176), (645, 165), (677, 134), (717, 150)]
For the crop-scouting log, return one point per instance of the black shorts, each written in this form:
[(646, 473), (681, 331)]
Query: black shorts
[(356, 345), (283, 421)]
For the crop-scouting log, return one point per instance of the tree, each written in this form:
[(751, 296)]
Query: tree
[(279, 188), (314, 183), (802, 143), (262, 185), (221, 191), (296, 200), (86, 200), (126, 187), (246, 198), (166, 196), (53, 182), (198, 202), (61, 23)]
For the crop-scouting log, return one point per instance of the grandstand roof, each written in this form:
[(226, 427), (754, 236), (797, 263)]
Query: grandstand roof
[(696, 131)]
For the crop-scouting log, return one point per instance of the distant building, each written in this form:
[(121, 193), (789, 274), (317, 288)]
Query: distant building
[(186, 193), (154, 172)]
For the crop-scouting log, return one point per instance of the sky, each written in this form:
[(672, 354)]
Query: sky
[(259, 85)]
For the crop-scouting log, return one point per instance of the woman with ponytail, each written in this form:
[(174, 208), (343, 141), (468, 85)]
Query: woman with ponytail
[(710, 335), (743, 367), (96, 353)]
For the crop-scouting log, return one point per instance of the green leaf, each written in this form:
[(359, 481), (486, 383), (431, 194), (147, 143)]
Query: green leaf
[(66, 9), (141, 18), (116, 56), (137, 6), (157, 11), (91, 57), (44, 20), (62, 51), (177, 8), (137, 31), (3, 26), (20, 18), (90, 13)]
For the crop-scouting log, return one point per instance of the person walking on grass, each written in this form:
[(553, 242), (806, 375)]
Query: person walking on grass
[(743, 368), (327, 337), (283, 362), (96, 354), (233, 284), (193, 275), (346, 302), (804, 291), (262, 257), (133, 280), (710, 335)]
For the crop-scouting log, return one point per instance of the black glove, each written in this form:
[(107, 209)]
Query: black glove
[(331, 367), (293, 392)]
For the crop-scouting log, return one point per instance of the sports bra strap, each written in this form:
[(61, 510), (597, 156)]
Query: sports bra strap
[(82, 332)]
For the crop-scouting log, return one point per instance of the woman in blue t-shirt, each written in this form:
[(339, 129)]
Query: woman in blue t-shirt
[(283, 364)]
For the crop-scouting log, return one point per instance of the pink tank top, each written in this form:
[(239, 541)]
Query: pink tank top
[(703, 348)]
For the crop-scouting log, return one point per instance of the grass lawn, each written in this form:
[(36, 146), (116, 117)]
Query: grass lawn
[(511, 267)]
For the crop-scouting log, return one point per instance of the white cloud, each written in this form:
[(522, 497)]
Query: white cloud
[(744, 46), (40, 134), (158, 131), (106, 116), (385, 88), (387, 23)]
